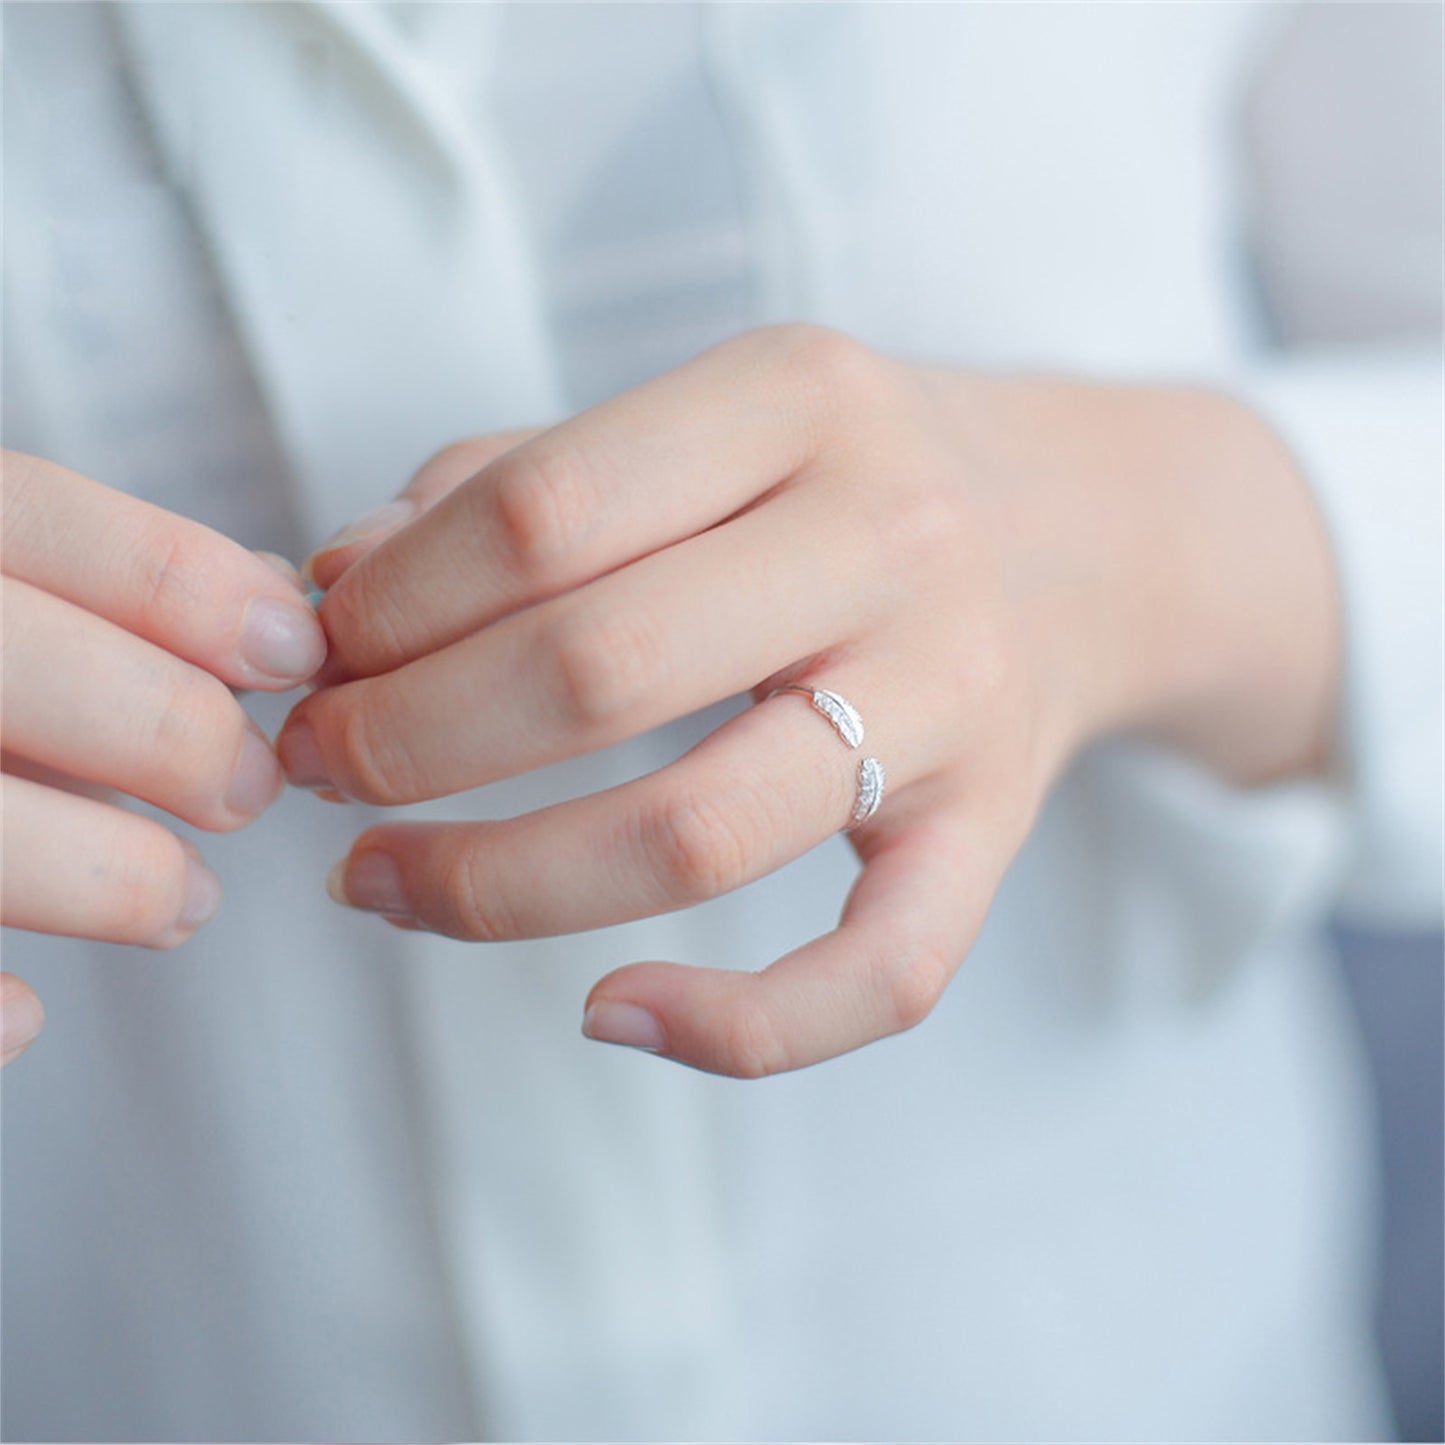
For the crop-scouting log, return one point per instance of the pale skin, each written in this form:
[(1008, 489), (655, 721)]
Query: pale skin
[(995, 570), (125, 629)]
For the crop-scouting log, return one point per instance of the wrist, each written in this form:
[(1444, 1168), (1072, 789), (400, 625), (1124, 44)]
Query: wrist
[(1170, 568)]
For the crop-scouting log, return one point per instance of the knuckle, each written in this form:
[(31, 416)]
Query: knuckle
[(374, 769), (923, 527), (479, 912), (914, 984), (749, 1046), (167, 577), (812, 347), (541, 507), (192, 733), (992, 672), (699, 848), (365, 624), (835, 371), (603, 664), (147, 873)]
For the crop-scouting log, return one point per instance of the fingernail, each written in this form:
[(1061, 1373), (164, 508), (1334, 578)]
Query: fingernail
[(278, 563), (21, 1019), (301, 757), (389, 518), (282, 641), (257, 778), (305, 585), (372, 882), (203, 896), (611, 1022)]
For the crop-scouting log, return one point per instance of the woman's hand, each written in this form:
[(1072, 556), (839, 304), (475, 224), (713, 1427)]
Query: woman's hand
[(123, 626), (992, 570)]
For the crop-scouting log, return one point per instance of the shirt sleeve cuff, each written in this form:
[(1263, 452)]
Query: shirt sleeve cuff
[(1367, 433)]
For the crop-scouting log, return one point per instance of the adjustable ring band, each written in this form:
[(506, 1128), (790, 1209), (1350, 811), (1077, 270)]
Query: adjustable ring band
[(871, 779), (847, 722)]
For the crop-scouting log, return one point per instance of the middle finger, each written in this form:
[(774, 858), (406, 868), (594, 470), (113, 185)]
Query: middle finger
[(674, 632), (94, 701), (638, 472)]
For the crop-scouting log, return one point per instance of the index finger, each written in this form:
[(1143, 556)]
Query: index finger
[(653, 466), (178, 584), (439, 475)]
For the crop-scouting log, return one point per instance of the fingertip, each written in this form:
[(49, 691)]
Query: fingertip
[(336, 883), (199, 904), (354, 541), (619, 1021), (277, 563), (304, 583), (331, 673), (710, 1019), (322, 569), (282, 643), (649, 1006), (256, 780), (22, 1016), (203, 897), (300, 754)]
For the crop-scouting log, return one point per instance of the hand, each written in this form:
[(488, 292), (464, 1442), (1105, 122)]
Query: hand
[(993, 570), (123, 626)]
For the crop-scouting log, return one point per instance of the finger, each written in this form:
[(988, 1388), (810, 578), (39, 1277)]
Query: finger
[(97, 703), (21, 1017), (286, 568), (172, 581), (645, 469), (13, 763), (763, 788), (908, 923), (83, 868), (444, 472), (678, 630)]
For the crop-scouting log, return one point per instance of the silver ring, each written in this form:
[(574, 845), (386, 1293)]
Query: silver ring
[(847, 722)]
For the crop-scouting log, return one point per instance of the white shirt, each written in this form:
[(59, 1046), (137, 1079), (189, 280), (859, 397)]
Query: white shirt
[(310, 1177)]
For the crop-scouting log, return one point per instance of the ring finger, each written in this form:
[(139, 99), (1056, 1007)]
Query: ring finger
[(762, 789)]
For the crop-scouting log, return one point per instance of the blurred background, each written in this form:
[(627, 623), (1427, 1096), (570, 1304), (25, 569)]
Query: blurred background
[(1395, 983), (1364, 173)]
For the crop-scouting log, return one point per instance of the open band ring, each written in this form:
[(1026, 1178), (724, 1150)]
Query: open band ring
[(847, 722)]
